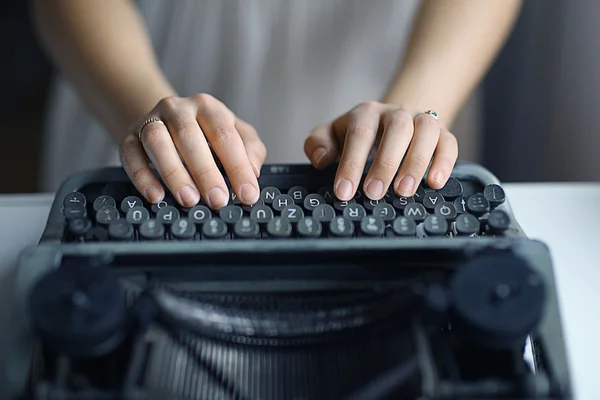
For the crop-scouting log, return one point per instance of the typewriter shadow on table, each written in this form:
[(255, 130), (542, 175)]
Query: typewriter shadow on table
[(282, 323)]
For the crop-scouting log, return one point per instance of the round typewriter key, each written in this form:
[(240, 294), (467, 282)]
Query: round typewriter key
[(262, 214), (370, 204), (435, 226), (415, 211), (403, 226), (96, 234), (298, 193), (498, 221), (214, 229), (494, 194), (341, 227), (279, 227), (340, 205), (249, 207), (269, 193), (460, 205), (137, 215), (246, 228), (120, 230), (103, 201), (282, 201), (292, 213), (74, 211), (167, 215), (75, 199), (401, 202), (372, 226), (167, 202), (354, 212), (107, 214), (231, 214), (384, 211), (324, 213), (309, 227), (452, 189), (199, 214), (130, 202), (432, 199), (445, 210), (152, 230), (79, 226), (466, 225), (498, 300), (79, 311), (478, 204), (183, 229), (312, 201)]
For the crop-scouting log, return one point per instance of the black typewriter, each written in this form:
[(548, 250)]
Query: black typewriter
[(299, 296)]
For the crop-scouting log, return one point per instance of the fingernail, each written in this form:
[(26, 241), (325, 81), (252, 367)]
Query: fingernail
[(248, 193), (318, 155), (217, 198), (189, 196), (153, 194), (344, 190), (375, 189), (406, 186), (438, 177)]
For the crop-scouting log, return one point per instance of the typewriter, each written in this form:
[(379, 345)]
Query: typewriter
[(299, 296)]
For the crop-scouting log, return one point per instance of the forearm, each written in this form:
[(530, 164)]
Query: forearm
[(452, 46), (103, 48)]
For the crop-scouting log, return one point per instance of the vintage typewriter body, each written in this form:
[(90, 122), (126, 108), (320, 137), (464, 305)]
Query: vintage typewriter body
[(431, 297)]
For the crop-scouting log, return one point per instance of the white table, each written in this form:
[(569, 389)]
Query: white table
[(565, 216)]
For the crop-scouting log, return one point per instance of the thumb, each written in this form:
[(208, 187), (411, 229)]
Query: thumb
[(321, 146)]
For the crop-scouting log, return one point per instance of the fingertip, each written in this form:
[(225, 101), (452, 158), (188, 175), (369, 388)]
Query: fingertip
[(437, 180), (153, 194)]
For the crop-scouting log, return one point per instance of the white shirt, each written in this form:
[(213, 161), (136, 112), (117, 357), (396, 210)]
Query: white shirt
[(284, 66)]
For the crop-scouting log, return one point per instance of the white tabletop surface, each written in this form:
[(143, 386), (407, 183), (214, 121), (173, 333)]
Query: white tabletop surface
[(565, 216)]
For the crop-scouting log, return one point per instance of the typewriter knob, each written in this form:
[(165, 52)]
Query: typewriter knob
[(79, 311), (498, 300)]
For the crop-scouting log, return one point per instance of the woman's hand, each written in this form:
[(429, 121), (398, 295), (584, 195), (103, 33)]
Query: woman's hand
[(183, 130), (405, 135)]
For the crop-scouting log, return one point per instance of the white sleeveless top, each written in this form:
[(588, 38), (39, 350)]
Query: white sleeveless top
[(282, 65)]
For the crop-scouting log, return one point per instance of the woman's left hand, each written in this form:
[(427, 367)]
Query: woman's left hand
[(404, 135)]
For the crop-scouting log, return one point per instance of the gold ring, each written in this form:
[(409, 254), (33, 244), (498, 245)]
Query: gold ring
[(146, 123)]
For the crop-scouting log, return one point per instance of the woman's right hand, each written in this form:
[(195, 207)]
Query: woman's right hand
[(189, 127)]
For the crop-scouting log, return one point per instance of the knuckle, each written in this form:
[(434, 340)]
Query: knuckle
[(425, 120), (362, 130), (399, 119), (204, 99), (349, 166), (169, 103), (224, 136), (138, 176), (152, 134), (387, 164), (367, 106), (184, 128), (171, 174), (203, 172), (239, 170)]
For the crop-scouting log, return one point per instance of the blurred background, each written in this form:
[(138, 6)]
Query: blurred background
[(534, 118)]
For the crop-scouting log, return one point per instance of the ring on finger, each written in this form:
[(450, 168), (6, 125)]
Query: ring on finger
[(432, 113), (146, 123)]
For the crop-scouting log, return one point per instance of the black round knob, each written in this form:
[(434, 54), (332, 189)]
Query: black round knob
[(79, 311), (498, 300)]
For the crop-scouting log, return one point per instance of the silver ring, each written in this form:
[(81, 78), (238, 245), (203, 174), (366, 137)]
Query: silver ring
[(146, 123), (432, 113)]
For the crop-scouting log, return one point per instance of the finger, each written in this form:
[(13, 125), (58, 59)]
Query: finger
[(444, 158), (321, 146), (162, 152), (255, 148), (135, 163), (420, 151), (193, 147), (218, 124), (398, 128), (360, 135)]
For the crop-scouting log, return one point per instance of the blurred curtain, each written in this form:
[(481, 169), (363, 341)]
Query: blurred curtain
[(541, 98)]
